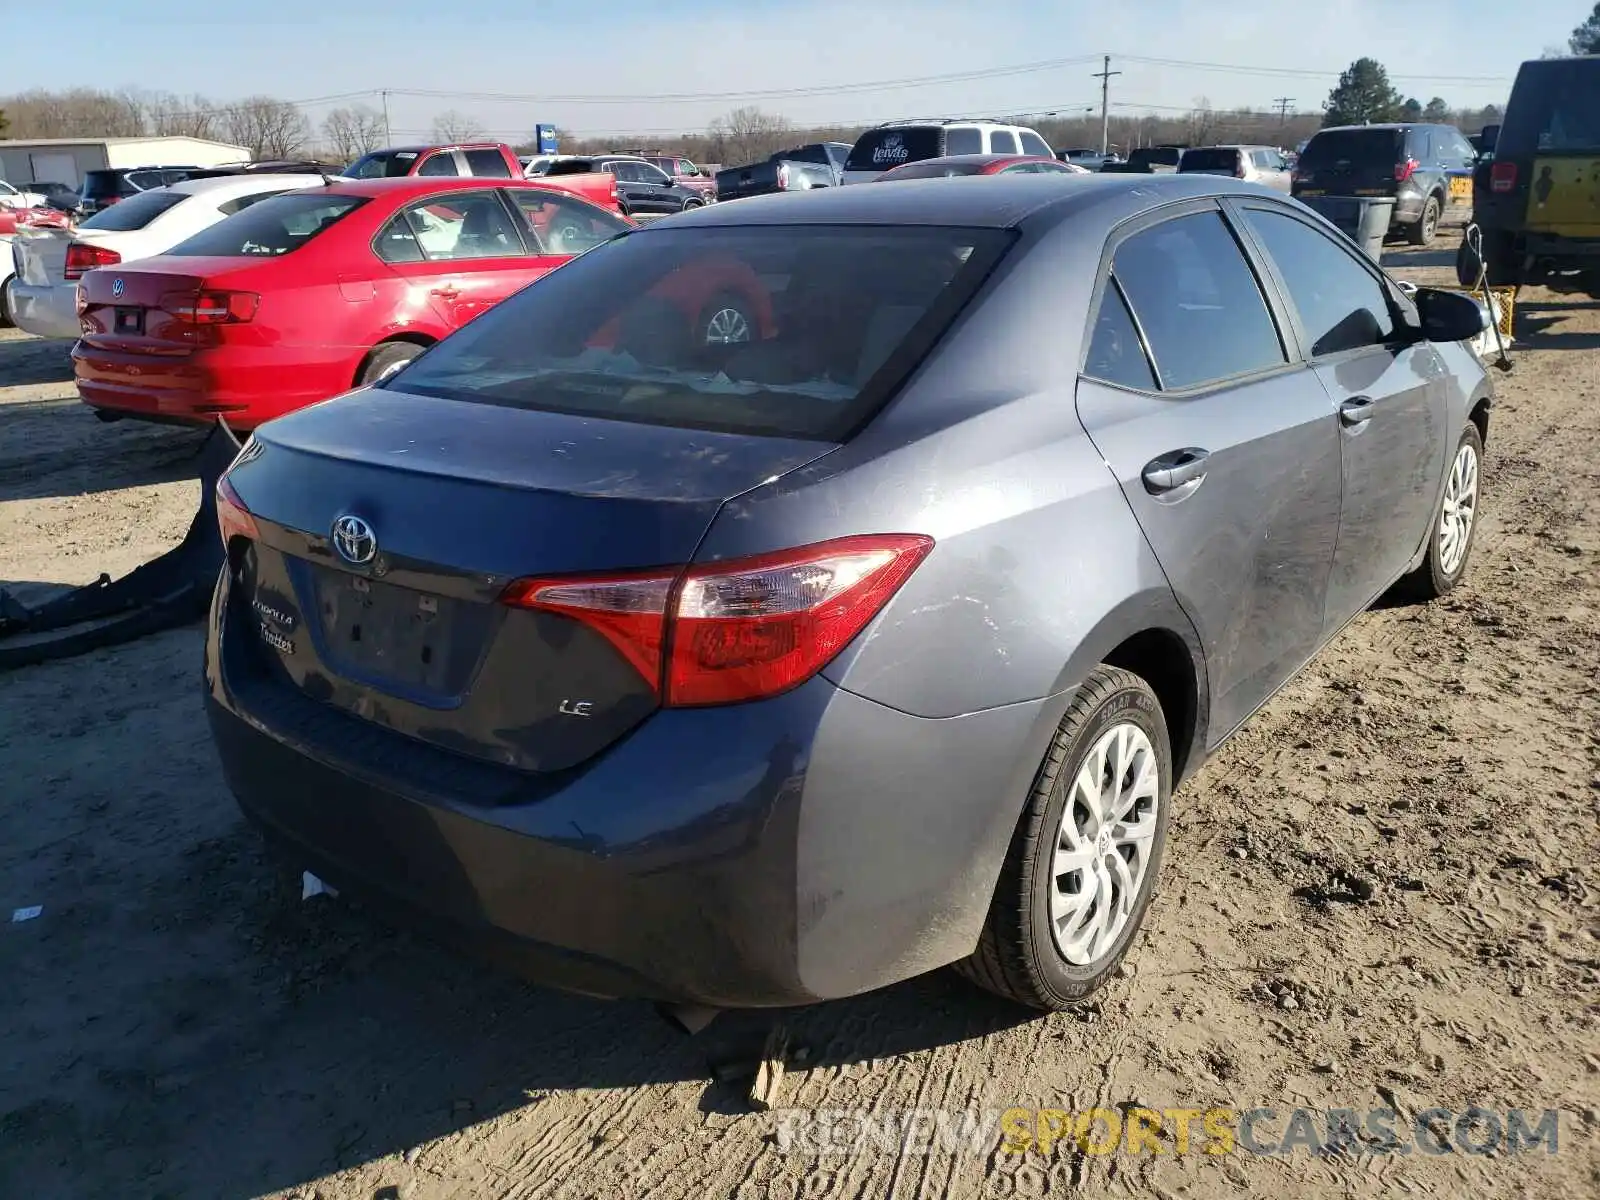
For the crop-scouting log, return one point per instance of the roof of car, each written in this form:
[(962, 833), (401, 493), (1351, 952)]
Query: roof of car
[(243, 185), (992, 202), (978, 160), (1394, 126), (422, 185)]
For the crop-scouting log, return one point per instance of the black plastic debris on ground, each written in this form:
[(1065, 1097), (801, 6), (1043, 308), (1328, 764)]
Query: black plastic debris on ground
[(166, 592)]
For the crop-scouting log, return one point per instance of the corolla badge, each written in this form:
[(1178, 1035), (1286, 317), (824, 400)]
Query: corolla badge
[(117, 288), (354, 540)]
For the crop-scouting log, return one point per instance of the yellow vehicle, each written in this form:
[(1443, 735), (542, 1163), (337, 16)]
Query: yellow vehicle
[(1537, 190)]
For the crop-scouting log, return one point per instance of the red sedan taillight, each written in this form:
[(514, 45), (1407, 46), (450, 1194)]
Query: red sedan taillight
[(720, 633), (211, 306), (81, 257)]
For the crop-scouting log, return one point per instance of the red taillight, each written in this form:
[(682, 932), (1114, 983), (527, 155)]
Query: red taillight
[(1502, 176), (233, 518), (81, 257), (211, 307), (1404, 171), (742, 629)]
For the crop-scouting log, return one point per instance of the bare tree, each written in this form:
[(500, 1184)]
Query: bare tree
[(167, 114), (455, 126), (78, 112), (353, 131), (747, 134), (271, 128), (1202, 122)]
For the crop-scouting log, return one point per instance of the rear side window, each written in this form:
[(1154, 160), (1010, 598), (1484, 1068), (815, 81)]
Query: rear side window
[(442, 163), (1032, 143), (1211, 158), (570, 166), (1115, 352), (1198, 301), (99, 184), (963, 141), (1002, 141), (881, 149), (383, 164), (1341, 306), (793, 331), (272, 228), (145, 180), (487, 162), (1359, 147), (136, 211), (1555, 106)]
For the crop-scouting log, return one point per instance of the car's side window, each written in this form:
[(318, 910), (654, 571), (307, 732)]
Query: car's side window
[(1341, 305), (560, 224), (464, 225), (398, 242), (963, 141), (1115, 353), (1002, 141), (1032, 143), (487, 162), (442, 163), (1198, 301)]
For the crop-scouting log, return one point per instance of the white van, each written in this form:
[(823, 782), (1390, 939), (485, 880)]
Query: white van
[(899, 142)]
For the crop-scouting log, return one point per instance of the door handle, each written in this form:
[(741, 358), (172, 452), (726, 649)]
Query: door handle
[(1171, 471), (1356, 411), (448, 292)]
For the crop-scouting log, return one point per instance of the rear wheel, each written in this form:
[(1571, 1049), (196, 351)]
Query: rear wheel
[(692, 203), (6, 318), (1082, 866), (1454, 523), (1421, 234), (386, 360)]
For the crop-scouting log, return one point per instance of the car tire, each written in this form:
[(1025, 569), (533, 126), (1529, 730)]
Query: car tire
[(726, 321), (7, 320), (386, 359), (1422, 233), (1445, 564), (691, 205), (1021, 953)]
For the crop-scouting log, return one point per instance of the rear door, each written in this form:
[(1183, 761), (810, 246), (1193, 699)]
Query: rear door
[(1388, 390), (1350, 162), (464, 253), (1224, 443)]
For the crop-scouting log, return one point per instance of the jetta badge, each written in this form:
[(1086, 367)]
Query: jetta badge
[(354, 540), (117, 288)]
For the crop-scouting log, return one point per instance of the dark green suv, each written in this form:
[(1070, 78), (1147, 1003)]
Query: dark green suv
[(1536, 191)]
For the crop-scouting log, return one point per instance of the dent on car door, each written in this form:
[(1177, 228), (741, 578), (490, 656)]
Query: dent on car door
[(1226, 450), (1390, 393)]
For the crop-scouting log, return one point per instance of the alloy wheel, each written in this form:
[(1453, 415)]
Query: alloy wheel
[(727, 326), (1104, 843), (1459, 509)]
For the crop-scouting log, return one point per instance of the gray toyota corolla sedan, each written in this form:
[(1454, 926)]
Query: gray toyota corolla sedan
[(758, 669)]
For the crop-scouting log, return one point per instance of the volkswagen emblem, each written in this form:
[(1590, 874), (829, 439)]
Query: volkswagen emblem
[(354, 540), (117, 288)]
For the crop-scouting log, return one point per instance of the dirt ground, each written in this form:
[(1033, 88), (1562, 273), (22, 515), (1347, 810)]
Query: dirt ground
[(1383, 893)]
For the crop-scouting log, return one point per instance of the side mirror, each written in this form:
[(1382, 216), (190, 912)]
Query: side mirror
[(1450, 316)]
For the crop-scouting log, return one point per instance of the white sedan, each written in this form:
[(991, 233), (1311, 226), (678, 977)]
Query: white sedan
[(49, 262), (15, 197)]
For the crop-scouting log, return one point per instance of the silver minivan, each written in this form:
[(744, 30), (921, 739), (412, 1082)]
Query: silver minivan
[(1256, 164)]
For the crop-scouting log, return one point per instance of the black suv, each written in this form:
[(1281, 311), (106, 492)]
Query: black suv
[(1426, 169), (1536, 192), (643, 187), (103, 188)]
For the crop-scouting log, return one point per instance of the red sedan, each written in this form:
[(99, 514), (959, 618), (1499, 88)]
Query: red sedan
[(310, 293), (981, 164)]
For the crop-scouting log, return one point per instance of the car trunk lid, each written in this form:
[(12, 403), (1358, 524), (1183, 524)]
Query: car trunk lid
[(456, 500), (142, 310)]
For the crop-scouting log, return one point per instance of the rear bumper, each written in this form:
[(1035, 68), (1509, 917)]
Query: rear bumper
[(244, 384), (810, 846), (45, 310)]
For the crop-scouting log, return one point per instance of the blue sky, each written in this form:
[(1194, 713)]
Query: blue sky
[(1459, 49)]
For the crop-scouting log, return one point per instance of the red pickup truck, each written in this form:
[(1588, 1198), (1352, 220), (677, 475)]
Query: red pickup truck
[(493, 160)]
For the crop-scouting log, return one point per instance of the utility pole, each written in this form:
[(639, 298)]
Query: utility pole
[(1282, 105), (387, 139), (1104, 76)]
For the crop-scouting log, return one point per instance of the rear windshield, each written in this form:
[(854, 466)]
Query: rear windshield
[(798, 331), (272, 228), (881, 149), (933, 169), (383, 164), (1165, 156), (570, 166), (1211, 158), (1555, 106), (136, 211), (1358, 147), (97, 184)]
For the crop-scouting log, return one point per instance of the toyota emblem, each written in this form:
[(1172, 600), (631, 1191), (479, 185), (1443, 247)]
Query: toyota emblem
[(117, 288), (354, 540)]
